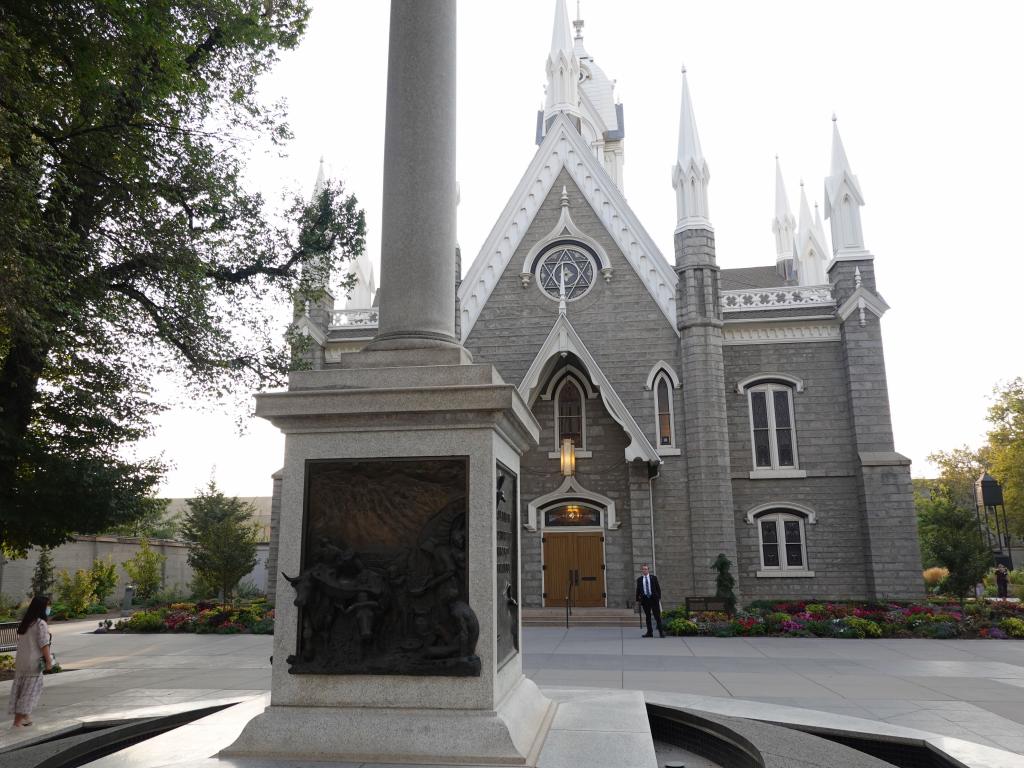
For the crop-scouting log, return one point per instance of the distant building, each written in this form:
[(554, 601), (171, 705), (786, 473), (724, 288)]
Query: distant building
[(737, 411)]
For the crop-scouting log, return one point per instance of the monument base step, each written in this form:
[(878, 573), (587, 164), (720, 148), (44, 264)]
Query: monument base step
[(582, 617), (513, 734)]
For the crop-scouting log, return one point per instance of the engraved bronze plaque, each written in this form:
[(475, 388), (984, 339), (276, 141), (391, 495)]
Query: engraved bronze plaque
[(506, 518), (383, 588)]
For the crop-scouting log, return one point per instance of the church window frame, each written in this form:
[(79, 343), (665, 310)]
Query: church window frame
[(771, 413), (571, 381), (583, 263), (782, 540), (663, 374)]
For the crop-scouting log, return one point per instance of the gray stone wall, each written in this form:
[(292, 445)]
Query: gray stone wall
[(835, 543), (706, 432), (627, 334), (886, 494), (605, 472)]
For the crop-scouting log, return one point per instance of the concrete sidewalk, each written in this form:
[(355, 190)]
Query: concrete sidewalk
[(969, 689)]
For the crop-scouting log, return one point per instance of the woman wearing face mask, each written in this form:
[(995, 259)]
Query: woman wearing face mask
[(33, 654)]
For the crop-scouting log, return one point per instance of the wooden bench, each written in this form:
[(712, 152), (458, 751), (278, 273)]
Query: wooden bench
[(698, 604), (8, 635)]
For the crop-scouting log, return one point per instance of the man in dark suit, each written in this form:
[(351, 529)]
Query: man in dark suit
[(648, 595)]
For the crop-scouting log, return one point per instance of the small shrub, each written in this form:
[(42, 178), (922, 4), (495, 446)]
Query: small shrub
[(76, 592), (169, 596), (935, 576), (42, 574), (144, 569), (1013, 627), (683, 627), (247, 590), (6, 662), (863, 627), (143, 621), (104, 578)]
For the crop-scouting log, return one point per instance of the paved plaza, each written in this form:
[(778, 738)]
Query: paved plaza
[(967, 689)]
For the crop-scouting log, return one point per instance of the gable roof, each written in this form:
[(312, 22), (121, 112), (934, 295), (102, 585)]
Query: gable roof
[(563, 147), (742, 278), (563, 338)]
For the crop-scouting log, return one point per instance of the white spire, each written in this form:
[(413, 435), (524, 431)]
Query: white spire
[(783, 225), (819, 229), (318, 185), (690, 176), (843, 200), (563, 68), (810, 250)]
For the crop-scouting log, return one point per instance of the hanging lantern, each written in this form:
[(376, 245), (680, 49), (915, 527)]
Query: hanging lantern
[(568, 458)]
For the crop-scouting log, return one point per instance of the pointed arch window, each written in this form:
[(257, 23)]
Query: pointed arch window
[(665, 411), (570, 413)]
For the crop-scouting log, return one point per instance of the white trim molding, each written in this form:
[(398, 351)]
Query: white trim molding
[(782, 297), (565, 229), (792, 574), (563, 339), (563, 147), (764, 378), (661, 365), (781, 506), (583, 379), (779, 333), (569, 490), (776, 474), (860, 300)]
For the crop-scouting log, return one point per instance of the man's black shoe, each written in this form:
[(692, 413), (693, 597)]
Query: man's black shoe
[(647, 635)]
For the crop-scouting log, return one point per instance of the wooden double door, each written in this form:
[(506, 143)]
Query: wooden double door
[(575, 558)]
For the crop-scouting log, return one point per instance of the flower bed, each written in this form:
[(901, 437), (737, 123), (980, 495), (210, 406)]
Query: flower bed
[(994, 620), (202, 618)]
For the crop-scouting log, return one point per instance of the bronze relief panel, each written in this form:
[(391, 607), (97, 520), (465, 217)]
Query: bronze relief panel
[(383, 588)]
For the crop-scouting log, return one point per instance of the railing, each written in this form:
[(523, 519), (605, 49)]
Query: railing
[(354, 318), (777, 298), (570, 601), (9, 636)]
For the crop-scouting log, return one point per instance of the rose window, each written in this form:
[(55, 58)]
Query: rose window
[(569, 265)]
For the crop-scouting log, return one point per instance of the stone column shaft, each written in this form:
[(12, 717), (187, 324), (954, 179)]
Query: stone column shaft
[(709, 486), (418, 227)]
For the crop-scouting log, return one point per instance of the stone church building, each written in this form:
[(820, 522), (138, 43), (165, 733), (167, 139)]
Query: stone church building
[(707, 410)]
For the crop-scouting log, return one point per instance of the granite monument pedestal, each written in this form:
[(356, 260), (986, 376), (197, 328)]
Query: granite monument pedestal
[(399, 505)]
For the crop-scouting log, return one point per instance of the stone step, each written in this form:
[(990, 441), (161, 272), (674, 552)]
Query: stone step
[(581, 617)]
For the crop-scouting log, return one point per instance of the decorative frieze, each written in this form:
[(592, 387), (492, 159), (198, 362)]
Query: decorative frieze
[(354, 318), (779, 334), (787, 297)]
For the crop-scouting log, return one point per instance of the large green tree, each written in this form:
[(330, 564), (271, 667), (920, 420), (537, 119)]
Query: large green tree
[(1006, 448), (950, 537), (129, 245), (222, 537)]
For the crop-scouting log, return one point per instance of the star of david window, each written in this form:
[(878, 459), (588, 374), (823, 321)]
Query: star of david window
[(571, 264)]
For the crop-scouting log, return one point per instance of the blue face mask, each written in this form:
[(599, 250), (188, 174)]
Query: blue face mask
[(47, 610)]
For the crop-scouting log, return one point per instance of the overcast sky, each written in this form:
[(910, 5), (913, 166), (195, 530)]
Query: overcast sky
[(928, 100)]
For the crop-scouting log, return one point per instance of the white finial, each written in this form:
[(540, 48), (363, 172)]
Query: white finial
[(563, 67), (810, 251), (578, 23), (321, 178), (690, 176), (565, 197), (783, 223), (843, 200), (856, 277), (561, 291)]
